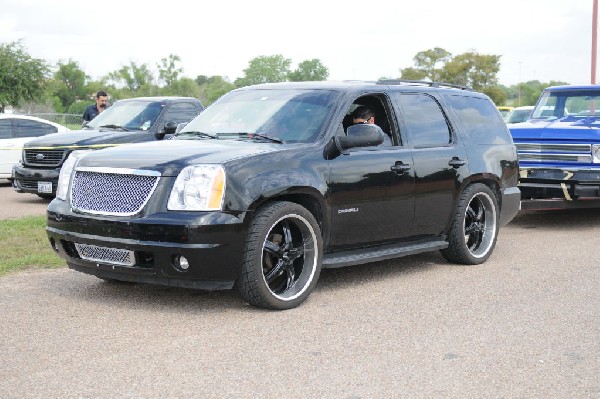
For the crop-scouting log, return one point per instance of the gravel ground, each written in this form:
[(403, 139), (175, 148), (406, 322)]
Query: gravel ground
[(525, 324), (16, 205)]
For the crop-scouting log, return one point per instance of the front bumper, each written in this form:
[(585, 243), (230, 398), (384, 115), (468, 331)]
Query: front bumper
[(212, 243), (27, 180), (559, 188)]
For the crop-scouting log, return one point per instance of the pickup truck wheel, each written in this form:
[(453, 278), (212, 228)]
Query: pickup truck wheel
[(474, 230), (282, 257)]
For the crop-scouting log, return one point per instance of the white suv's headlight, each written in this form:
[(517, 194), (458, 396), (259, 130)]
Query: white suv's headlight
[(596, 153), (198, 188), (66, 171)]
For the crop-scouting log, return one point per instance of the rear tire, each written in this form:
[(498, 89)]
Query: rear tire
[(474, 230), (282, 257)]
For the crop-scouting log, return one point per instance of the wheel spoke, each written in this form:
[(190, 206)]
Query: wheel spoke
[(471, 213), (275, 271), (287, 234), (291, 275), (273, 248)]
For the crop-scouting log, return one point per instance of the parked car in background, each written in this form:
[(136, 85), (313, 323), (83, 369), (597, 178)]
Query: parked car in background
[(273, 182), (15, 131), (519, 114), (504, 110), (559, 149), (126, 121)]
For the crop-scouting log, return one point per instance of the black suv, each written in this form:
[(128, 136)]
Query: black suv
[(126, 121), (273, 182)]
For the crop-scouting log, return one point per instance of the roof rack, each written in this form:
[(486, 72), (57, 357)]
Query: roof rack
[(421, 82)]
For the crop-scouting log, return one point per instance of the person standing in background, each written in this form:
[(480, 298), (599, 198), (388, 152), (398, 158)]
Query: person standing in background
[(93, 110)]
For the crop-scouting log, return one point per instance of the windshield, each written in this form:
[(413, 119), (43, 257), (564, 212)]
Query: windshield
[(291, 115), (572, 104), (130, 115)]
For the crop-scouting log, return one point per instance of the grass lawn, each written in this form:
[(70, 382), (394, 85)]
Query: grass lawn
[(25, 245)]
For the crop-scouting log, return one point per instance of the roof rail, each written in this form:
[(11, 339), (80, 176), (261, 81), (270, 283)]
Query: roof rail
[(421, 82)]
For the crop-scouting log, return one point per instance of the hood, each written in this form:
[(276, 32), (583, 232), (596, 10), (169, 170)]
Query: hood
[(90, 138), (170, 156), (582, 130)]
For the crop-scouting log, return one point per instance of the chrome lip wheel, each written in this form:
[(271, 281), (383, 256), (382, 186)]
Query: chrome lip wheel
[(289, 257), (480, 224)]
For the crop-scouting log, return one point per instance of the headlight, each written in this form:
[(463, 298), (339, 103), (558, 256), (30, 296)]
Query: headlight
[(198, 188), (66, 171), (596, 153)]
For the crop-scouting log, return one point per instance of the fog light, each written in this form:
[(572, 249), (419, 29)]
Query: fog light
[(181, 263)]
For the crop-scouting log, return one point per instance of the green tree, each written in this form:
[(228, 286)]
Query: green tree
[(133, 77), (22, 77), (211, 88), (265, 69), (168, 71), (428, 65), (185, 87), (527, 93), (69, 83), (309, 70), (472, 69)]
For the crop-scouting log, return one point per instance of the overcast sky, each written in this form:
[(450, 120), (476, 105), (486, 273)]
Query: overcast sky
[(537, 39)]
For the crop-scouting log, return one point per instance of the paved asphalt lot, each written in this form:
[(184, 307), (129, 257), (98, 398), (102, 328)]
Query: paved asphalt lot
[(525, 324)]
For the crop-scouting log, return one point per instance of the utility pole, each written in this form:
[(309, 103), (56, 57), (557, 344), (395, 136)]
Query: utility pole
[(519, 85), (594, 39)]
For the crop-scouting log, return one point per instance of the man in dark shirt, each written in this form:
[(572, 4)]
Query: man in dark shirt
[(93, 110)]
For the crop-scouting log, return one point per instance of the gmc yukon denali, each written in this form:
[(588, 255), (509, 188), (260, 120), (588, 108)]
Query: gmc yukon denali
[(274, 182)]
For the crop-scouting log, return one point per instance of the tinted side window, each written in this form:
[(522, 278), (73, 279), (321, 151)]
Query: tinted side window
[(179, 113), (27, 128), (425, 121), (480, 119), (5, 128)]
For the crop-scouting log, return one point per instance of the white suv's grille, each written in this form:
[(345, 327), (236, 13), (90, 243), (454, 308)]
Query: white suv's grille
[(112, 191)]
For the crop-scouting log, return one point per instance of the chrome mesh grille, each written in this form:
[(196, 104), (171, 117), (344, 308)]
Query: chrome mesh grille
[(44, 157), (105, 255), (557, 152), (112, 193)]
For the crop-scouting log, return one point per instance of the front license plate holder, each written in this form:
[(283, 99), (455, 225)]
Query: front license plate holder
[(45, 187)]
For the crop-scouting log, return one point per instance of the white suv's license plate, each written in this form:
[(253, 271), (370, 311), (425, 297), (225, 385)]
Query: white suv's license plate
[(45, 187)]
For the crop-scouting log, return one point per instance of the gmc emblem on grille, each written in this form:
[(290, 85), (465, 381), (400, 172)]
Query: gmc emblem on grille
[(39, 157)]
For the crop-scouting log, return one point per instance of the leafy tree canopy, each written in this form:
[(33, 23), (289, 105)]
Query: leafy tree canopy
[(22, 77), (265, 69), (309, 70)]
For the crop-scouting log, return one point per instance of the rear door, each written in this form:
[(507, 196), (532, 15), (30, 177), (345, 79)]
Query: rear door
[(440, 161)]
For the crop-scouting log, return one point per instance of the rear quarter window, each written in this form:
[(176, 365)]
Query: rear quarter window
[(479, 119)]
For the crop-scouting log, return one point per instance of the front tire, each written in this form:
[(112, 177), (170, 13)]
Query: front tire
[(474, 230), (282, 257)]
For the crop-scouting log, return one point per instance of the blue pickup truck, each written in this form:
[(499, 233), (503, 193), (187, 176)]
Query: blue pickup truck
[(559, 149)]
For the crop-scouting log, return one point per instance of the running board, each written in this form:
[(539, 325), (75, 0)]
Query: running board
[(374, 254)]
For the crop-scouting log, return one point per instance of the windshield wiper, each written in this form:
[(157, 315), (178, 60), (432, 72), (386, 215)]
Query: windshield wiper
[(198, 134), (115, 127), (260, 136)]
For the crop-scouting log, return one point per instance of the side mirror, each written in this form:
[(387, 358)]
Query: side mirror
[(169, 128), (360, 135)]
